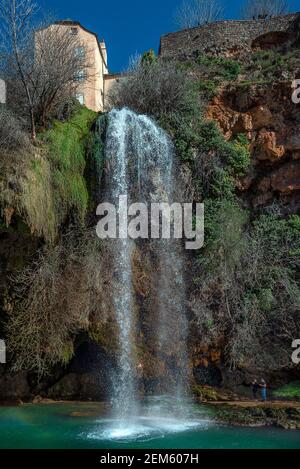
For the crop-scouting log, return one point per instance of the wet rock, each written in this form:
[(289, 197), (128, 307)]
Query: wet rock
[(208, 374), (262, 199), (293, 143), (14, 386), (287, 178), (88, 375), (210, 394), (259, 415), (79, 387)]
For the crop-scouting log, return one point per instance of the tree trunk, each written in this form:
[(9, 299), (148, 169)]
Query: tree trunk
[(32, 125)]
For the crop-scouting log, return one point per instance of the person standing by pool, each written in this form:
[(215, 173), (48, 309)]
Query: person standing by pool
[(255, 387), (263, 386)]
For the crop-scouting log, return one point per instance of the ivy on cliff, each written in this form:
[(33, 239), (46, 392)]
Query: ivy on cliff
[(59, 174), (49, 185)]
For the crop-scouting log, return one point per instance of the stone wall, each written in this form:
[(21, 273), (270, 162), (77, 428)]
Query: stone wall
[(225, 36)]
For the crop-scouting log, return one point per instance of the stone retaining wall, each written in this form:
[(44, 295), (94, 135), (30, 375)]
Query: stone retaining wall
[(225, 36)]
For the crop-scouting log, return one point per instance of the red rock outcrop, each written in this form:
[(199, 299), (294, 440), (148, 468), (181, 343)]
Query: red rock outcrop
[(271, 121)]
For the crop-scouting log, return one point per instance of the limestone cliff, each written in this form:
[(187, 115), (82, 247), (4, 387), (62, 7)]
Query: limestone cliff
[(251, 164)]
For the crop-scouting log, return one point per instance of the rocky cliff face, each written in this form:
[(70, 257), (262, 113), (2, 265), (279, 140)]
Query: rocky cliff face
[(271, 121), (261, 110)]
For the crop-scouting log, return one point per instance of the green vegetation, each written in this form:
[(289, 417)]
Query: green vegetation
[(148, 58), (255, 265), (219, 67), (268, 63), (247, 279), (247, 274), (205, 393), (207, 88), (290, 391), (210, 72), (265, 67), (66, 145), (194, 138), (259, 68), (50, 177), (95, 157)]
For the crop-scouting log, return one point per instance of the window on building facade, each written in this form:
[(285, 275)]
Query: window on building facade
[(80, 97), (80, 51), (81, 76)]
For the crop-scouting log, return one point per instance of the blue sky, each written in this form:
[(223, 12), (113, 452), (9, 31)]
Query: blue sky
[(128, 26)]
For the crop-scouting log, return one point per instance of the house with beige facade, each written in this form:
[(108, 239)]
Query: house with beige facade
[(91, 90)]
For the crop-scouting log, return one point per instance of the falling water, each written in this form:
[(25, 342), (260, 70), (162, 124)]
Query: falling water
[(124, 397), (141, 164)]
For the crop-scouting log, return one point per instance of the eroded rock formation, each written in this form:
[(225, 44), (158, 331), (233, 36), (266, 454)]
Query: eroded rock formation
[(272, 124)]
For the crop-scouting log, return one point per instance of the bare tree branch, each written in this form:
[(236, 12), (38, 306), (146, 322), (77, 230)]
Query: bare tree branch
[(45, 65), (16, 16), (263, 9), (197, 12)]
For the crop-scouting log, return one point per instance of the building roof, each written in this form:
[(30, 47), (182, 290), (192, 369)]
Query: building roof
[(77, 23)]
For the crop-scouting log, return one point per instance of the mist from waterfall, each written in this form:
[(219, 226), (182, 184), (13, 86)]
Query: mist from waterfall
[(141, 163)]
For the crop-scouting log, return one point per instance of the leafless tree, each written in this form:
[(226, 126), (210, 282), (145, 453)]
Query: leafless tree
[(197, 12), (16, 27), (61, 66), (263, 9), (43, 63), (186, 15)]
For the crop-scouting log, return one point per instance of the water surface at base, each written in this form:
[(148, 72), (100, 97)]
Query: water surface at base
[(87, 426)]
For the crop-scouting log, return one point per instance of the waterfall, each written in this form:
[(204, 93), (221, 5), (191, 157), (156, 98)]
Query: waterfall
[(124, 397), (141, 164)]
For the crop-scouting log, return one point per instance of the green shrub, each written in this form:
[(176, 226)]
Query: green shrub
[(237, 155), (268, 66), (224, 222), (222, 184), (226, 69), (249, 282), (266, 299), (95, 160), (207, 88), (234, 154), (291, 391), (148, 58)]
